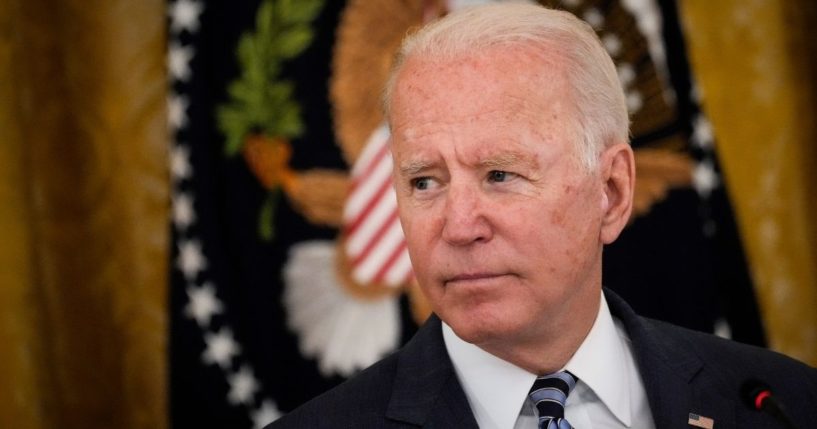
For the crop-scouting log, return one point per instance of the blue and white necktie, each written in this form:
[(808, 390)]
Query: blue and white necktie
[(549, 394)]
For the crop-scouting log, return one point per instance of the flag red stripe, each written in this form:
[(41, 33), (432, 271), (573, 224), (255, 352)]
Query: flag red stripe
[(376, 197), (381, 231), (389, 262), (370, 168)]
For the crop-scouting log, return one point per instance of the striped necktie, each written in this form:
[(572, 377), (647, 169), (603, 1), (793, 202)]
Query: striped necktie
[(549, 394)]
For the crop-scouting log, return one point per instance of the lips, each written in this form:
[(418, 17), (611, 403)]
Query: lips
[(471, 277)]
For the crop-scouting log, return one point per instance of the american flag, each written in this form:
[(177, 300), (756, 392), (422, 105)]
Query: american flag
[(374, 241), (700, 421)]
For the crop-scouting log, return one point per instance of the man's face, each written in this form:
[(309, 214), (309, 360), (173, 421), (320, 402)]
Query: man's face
[(502, 222)]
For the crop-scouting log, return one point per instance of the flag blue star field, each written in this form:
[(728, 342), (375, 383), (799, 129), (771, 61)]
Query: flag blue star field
[(289, 271)]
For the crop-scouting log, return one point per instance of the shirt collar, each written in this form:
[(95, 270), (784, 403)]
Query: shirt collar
[(496, 389), (600, 363)]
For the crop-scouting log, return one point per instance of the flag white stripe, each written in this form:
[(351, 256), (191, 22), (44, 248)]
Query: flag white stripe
[(368, 269), (376, 141), (360, 238), (360, 196), (400, 270)]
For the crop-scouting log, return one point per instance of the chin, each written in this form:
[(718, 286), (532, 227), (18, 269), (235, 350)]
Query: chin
[(479, 329)]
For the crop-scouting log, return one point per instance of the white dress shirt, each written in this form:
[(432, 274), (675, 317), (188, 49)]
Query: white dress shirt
[(609, 393)]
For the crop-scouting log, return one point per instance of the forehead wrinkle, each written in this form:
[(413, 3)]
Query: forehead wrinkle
[(506, 159)]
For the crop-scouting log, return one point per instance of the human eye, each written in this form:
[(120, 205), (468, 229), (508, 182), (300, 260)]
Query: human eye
[(420, 183), (497, 176)]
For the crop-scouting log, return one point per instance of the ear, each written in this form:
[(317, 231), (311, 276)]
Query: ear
[(617, 166)]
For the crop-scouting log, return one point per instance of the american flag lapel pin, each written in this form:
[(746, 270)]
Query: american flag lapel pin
[(700, 421)]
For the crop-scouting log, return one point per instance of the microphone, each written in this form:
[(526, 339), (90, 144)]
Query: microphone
[(758, 396)]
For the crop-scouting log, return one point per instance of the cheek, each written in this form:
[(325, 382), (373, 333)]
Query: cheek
[(576, 205), (559, 230), (418, 230), (421, 220), (415, 228), (576, 228)]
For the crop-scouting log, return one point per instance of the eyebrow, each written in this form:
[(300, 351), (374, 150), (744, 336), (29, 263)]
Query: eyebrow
[(505, 160), (412, 168)]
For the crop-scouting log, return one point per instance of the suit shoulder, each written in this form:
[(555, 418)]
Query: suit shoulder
[(735, 360), (361, 399), (711, 347)]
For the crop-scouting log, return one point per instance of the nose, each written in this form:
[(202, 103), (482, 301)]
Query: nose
[(465, 216)]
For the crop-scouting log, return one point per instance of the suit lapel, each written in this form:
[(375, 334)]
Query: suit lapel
[(668, 368), (426, 391)]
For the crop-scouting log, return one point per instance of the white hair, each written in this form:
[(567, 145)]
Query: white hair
[(598, 97)]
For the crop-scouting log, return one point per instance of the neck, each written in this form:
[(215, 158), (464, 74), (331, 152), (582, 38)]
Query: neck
[(548, 352)]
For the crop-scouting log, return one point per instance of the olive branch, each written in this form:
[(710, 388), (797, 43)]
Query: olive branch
[(261, 102)]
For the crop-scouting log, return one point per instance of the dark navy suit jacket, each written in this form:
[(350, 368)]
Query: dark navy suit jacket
[(683, 371)]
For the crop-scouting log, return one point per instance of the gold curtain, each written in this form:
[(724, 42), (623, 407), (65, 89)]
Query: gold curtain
[(755, 62), (83, 214)]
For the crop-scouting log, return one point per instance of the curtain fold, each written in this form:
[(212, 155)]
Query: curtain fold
[(22, 398), (755, 64), (84, 218)]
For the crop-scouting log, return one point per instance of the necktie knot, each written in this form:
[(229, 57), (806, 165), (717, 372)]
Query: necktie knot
[(549, 394)]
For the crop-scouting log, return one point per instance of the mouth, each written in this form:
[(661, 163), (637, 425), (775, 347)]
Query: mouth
[(473, 277)]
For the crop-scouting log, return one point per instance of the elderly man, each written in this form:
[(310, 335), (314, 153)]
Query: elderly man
[(512, 170)]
